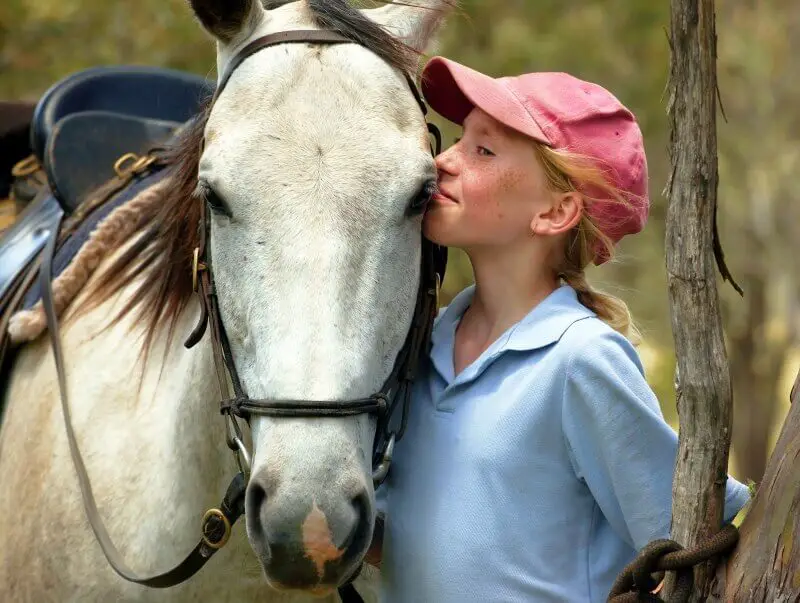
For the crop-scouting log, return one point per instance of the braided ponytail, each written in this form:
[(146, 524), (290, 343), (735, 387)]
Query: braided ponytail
[(567, 172), (611, 310)]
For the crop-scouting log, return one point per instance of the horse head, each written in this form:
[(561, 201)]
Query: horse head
[(316, 167)]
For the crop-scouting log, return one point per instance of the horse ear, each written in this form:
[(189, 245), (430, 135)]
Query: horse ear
[(228, 19), (415, 23)]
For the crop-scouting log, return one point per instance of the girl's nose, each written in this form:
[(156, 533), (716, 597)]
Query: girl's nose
[(446, 161)]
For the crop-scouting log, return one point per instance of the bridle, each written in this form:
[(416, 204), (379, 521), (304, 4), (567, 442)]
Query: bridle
[(396, 389), (217, 523)]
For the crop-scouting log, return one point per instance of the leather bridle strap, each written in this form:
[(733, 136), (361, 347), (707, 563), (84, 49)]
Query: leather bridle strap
[(296, 36), (306, 36), (217, 523), (245, 407)]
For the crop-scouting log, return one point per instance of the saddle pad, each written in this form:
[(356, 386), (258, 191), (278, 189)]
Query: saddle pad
[(70, 248), (83, 148), (20, 249), (25, 238)]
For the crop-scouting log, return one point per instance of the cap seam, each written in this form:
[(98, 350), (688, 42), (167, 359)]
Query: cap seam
[(522, 103)]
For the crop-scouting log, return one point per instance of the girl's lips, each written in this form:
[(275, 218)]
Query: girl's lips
[(442, 198)]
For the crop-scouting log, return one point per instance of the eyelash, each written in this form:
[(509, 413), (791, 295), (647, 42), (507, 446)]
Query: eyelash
[(215, 202), (489, 153)]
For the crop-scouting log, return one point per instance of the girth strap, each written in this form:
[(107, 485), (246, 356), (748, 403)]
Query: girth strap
[(217, 523)]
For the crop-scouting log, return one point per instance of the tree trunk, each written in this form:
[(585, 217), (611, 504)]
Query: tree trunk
[(765, 566), (704, 395)]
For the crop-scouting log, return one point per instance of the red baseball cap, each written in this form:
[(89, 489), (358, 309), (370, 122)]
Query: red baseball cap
[(564, 113)]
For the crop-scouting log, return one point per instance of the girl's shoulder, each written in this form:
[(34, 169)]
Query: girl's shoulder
[(592, 345)]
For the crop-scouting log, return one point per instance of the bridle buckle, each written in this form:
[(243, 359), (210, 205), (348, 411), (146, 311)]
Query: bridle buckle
[(197, 266), (215, 516)]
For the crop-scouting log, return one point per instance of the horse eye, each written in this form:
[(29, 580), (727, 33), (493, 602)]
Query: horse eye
[(422, 198), (215, 202)]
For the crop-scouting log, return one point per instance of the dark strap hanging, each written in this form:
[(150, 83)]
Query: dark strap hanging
[(217, 523)]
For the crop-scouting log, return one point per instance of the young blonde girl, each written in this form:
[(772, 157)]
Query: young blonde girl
[(536, 460)]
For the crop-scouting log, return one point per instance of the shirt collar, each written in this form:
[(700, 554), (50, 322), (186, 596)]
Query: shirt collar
[(542, 326)]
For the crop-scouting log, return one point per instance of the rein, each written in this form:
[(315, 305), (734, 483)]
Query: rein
[(217, 523)]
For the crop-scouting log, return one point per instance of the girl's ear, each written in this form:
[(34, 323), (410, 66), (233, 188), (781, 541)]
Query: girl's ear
[(562, 216)]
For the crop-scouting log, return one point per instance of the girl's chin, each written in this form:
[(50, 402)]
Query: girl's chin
[(440, 230)]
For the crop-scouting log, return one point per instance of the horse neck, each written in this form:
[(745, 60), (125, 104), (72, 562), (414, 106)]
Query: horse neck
[(187, 389), (170, 396)]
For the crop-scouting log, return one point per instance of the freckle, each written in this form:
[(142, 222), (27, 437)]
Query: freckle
[(510, 180)]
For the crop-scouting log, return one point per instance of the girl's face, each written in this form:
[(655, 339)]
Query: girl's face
[(492, 189)]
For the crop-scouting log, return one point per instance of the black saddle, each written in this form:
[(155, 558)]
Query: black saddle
[(84, 123), (83, 147), (136, 91)]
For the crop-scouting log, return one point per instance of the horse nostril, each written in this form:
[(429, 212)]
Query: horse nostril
[(356, 539), (255, 500)]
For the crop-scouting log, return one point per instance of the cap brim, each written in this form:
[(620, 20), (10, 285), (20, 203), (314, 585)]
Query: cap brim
[(453, 90)]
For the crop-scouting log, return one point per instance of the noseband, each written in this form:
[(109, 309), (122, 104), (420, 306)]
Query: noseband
[(217, 523)]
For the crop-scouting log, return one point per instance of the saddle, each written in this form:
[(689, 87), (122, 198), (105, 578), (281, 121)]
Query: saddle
[(136, 91), (93, 128)]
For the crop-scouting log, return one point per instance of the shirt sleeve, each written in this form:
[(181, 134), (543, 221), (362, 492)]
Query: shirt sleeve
[(619, 443)]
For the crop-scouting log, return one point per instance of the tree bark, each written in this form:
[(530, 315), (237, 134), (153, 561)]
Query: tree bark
[(765, 567), (704, 396)]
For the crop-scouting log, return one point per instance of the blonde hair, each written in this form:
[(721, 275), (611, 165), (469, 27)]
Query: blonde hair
[(566, 172)]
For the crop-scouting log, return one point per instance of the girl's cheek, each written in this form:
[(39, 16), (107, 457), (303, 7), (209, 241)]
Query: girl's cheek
[(484, 197)]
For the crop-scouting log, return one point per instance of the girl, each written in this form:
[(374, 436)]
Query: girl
[(536, 461)]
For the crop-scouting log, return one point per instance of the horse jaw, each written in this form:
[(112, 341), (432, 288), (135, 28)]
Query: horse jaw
[(318, 151)]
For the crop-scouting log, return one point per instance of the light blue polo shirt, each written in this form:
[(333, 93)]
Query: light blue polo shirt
[(536, 473)]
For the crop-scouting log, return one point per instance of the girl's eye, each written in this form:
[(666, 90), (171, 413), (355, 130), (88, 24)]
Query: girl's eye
[(481, 150)]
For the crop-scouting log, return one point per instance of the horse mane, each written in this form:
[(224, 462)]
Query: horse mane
[(162, 255)]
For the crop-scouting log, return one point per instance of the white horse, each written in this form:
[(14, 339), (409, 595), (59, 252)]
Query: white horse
[(315, 161)]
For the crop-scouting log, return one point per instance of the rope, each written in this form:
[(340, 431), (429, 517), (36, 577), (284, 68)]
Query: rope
[(635, 582)]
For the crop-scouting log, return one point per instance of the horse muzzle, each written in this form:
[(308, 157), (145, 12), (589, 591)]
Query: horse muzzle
[(310, 544)]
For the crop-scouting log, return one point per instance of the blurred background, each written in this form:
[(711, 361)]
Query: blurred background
[(620, 44)]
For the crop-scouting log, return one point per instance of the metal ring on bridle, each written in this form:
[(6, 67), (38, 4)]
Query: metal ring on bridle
[(236, 444), (382, 470), (241, 455)]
